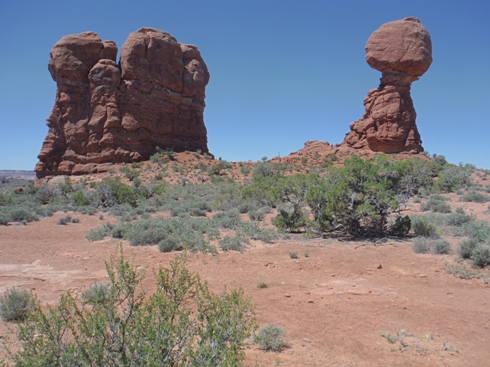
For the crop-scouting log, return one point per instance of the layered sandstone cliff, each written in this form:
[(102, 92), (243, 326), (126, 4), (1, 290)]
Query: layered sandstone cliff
[(107, 112)]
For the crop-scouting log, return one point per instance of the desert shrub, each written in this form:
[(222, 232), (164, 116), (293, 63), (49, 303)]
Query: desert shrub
[(475, 197), (21, 215), (293, 254), (401, 226), (270, 338), (425, 245), (355, 199), (422, 245), (441, 247), (436, 204), (169, 244), (45, 194), (229, 220), (97, 234), (181, 324), (256, 215), (477, 230), (246, 207), (229, 243), (130, 173), (97, 294), (465, 248), (253, 231), (15, 304), (480, 257), (81, 198), (64, 220), (458, 218), (451, 178), (111, 192), (423, 227), (4, 219)]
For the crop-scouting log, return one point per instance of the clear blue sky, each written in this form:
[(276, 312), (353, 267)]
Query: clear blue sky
[(282, 72)]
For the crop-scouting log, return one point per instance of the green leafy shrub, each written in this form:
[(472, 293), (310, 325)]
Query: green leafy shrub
[(81, 198), (270, 338), (181, 324), (15, 304), (64, 220), (451, 178)]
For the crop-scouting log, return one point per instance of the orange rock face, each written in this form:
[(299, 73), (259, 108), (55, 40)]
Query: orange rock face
[(402, 51), (107, 113)]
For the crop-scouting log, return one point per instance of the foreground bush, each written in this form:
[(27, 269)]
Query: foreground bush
[(181, 324), (15, 304)]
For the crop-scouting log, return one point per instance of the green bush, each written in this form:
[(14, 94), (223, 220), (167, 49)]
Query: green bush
[(270, 338), (15, 304), (80, 198), (181, 324)]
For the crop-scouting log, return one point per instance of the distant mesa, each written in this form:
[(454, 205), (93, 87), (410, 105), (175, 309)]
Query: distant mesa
[(402, 51), (108, 113)]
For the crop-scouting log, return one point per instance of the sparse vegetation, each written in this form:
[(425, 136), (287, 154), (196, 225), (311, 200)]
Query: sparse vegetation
[(181, 324), (270, 338), (15, 304)]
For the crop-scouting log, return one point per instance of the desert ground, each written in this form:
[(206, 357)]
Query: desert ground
[(341, 303)]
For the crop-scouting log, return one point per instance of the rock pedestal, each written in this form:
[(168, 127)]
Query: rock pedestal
[(108, 113), (402, 51)]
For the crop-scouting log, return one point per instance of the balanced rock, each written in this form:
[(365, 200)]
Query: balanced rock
[(108, 113), (402, 51)]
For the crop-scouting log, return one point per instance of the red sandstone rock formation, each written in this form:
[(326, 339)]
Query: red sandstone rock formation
[(402, 51), (107, 113)]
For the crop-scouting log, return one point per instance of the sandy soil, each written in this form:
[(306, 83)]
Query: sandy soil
[(334, 304)]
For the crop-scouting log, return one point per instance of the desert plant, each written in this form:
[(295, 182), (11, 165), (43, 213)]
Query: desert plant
[(480, 257), (436, 204), (97, 294), (15, 304), (423, 227), (465, 248), (293, 254), (401, 226), (270, 338), (232, 243), (425, 245), (475, 197), (181, 324), (64, 220), (45, 194)]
